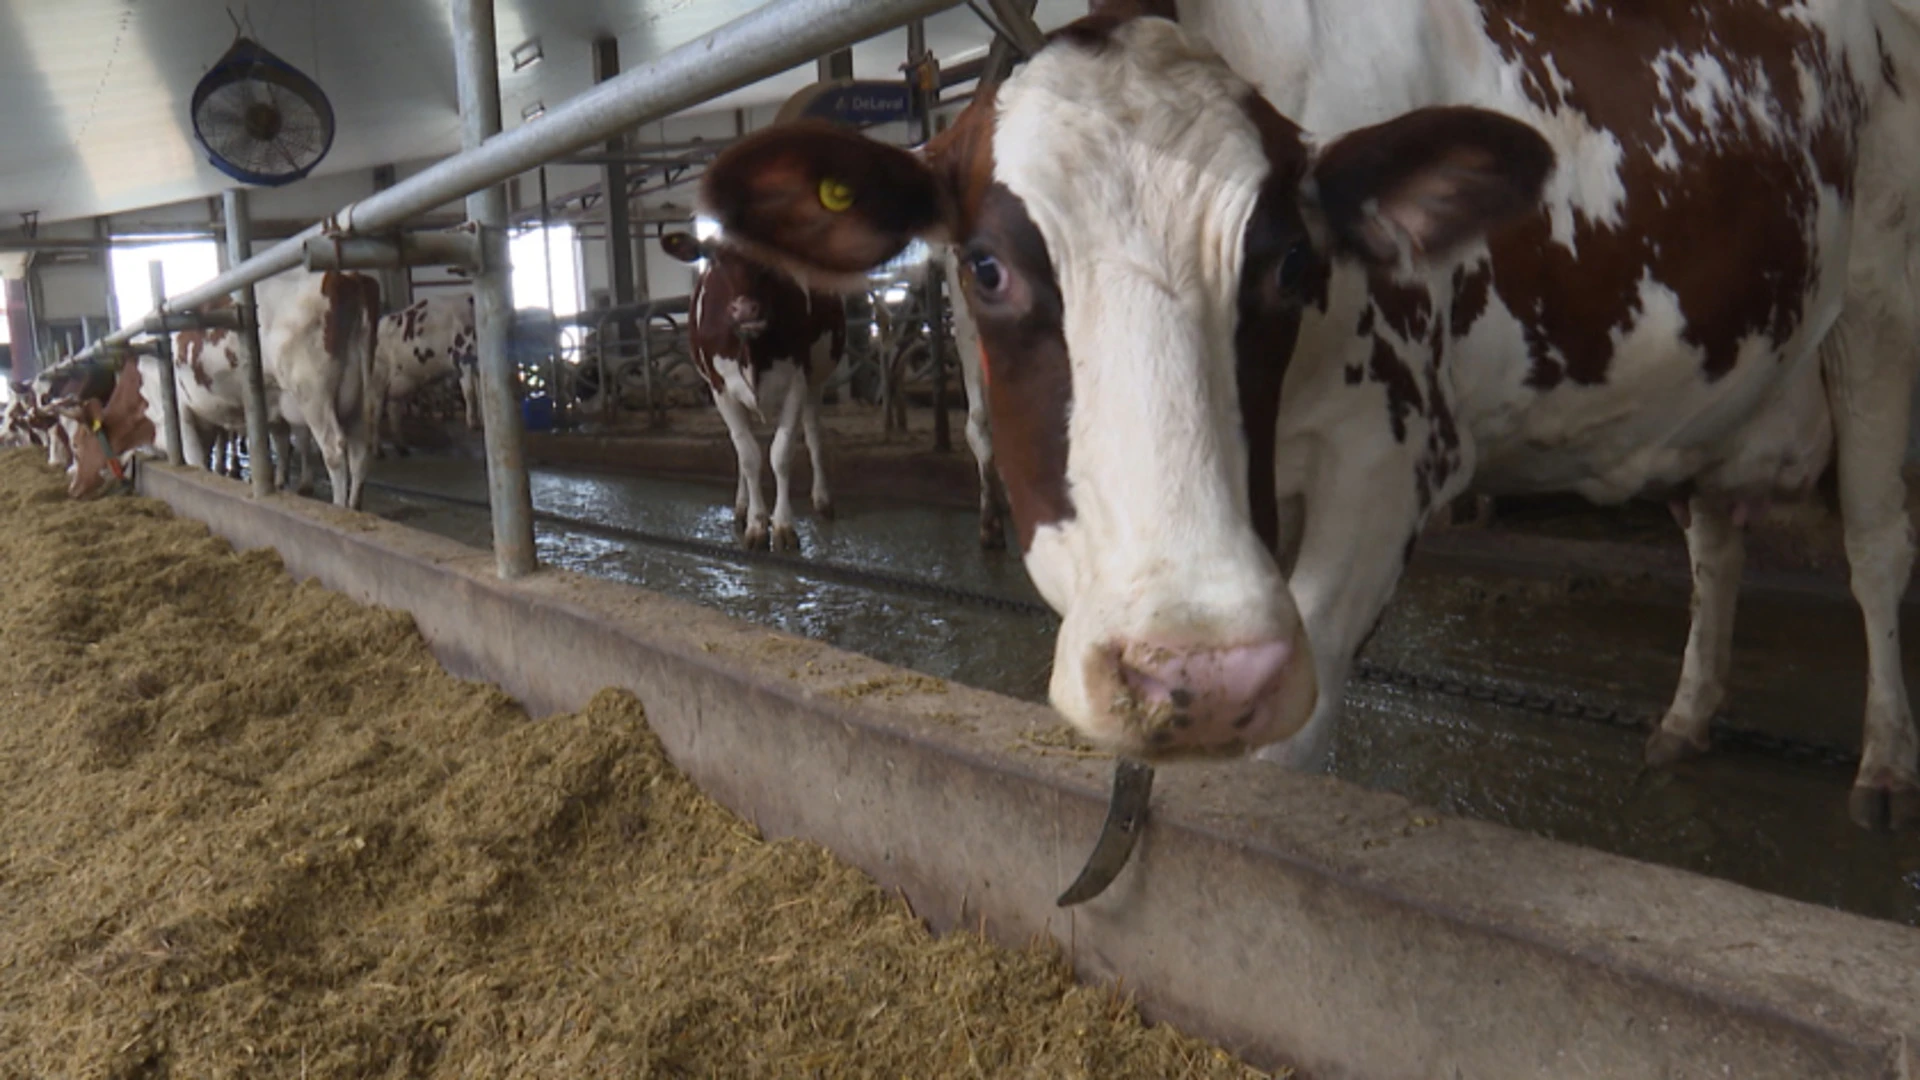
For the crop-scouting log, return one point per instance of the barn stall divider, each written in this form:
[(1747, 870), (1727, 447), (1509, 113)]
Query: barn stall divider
[(1292, 918)]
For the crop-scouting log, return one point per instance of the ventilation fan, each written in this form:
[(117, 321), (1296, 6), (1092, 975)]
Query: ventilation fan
[(260, 120)]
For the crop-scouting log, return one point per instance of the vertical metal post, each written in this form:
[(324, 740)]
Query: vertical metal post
[(169, 389), (102, 231), (26, 362), (253, 379), (606, 64), (546, 260), (477, 73), (396, 283), (835, 66), (924, 82)]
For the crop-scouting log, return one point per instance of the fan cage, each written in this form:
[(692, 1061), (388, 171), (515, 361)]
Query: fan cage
[(248, 61)]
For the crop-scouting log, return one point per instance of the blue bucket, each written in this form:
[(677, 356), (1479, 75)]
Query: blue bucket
[(536, 412)]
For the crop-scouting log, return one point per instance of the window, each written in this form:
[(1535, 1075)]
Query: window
[(532, 259), (186, 264)]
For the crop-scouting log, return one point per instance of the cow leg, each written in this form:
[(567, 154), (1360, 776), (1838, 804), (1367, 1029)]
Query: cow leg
[(1718, 551), (303, 442), (334, 455), (1341, 587), (784, 536), (359, 447), (746, 449), (1869, 393), (195, 448), (281, 458), (810, 427), (470, 394)]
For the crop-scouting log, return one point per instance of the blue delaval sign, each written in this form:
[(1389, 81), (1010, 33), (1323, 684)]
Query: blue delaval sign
[(860, 103)]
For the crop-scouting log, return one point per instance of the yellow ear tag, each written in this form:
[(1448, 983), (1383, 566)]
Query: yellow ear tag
[(96, 423), (835, 195)]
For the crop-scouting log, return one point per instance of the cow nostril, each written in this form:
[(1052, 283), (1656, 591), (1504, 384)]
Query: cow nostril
[(1181, 697)]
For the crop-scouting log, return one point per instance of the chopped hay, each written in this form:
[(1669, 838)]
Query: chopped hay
[(253, 829)]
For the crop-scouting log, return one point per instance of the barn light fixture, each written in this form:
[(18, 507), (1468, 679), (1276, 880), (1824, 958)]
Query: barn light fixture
[(527, 54)]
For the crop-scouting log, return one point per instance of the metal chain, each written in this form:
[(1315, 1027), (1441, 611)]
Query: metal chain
[(1561, 707)]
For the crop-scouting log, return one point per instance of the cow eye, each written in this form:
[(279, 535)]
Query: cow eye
[(1292, 274), (991, 279)]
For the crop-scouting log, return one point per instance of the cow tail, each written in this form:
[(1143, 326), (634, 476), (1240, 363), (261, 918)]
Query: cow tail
[(370, 395)]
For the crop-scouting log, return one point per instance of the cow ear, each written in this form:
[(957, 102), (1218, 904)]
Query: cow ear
[(821, 202), (682, 246), (1419, 187)]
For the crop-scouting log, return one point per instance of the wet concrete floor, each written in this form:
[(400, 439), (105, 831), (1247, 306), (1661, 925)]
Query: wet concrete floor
[(1752, 817)]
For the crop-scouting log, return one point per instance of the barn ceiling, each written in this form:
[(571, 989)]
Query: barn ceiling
[(94, 93)]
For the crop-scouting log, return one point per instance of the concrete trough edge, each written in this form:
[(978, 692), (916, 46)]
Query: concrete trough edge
[(1295, 919)]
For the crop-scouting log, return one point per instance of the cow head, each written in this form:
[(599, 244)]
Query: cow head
[(104, 436), (730, 284), (1139, 233)]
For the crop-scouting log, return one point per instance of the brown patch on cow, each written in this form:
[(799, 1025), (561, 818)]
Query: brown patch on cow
[(1403, 392), (1728, 231), (1471, 289), (1406, 309), (353, 301), (1031, 390), (1269, 318)]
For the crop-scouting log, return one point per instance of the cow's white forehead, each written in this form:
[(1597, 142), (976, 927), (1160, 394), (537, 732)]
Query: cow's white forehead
[(1141, 152)]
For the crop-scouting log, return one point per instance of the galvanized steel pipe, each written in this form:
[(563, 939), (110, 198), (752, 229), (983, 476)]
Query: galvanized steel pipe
[(765, 42), (169, 389), (253, 380), (477, 73)]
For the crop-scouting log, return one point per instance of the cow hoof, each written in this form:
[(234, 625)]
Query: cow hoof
[(823, 509), (785, 539), (739, 519), (755, 537), (1665, 749), (1887, 803)]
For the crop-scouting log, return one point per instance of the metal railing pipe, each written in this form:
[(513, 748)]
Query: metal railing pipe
[(169, 388), (509, 491), (253, 380), (765, 42)]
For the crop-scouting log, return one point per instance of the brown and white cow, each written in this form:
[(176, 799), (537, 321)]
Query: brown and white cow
[(316, 331), (106, 435), (208, 367), (30, 416), (1259, 289), (762, 341), (429, 339)]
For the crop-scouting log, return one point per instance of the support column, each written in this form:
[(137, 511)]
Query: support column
[(924, 81), (253, 380), (169, 387), (477, 73), (26, 358), (836, 66), (606, 64), (396, 283)]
